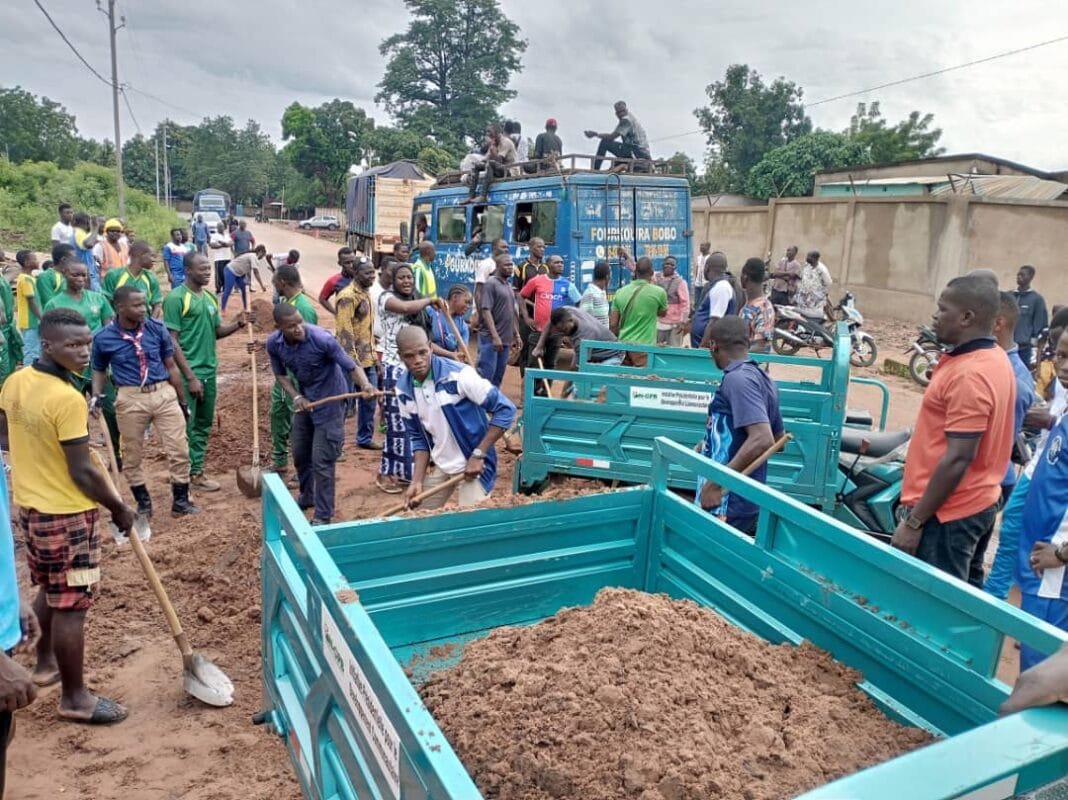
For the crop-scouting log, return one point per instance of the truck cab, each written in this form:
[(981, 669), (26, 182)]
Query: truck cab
[(583, 215)]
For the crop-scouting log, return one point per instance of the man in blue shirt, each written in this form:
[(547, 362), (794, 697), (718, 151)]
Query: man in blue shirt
[(999, 581), (174, 253), (139, 352), (201, 234), (743, 421), (319, 364)]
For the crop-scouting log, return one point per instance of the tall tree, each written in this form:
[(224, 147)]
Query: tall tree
[(448, 73), (790, 170), (324, 142), (745, 119), (908, 140), (33, 129)]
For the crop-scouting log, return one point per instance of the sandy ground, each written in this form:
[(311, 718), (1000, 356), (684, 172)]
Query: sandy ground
[(171, 746)]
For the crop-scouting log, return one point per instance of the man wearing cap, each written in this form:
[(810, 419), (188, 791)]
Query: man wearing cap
[(547, 147), (632, 140), (114, 251)]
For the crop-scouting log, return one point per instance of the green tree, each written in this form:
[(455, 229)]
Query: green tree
[(790, 170), (324, 142), (745, 119), (139, 164), (33, 129), (908, 140), (448, 73)]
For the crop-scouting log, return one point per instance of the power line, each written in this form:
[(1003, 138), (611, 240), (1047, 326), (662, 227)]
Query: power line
[(122, 91), (193, 114), (910, 79), (74, 49)]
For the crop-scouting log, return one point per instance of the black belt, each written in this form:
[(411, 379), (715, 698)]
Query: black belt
[(147, 388)]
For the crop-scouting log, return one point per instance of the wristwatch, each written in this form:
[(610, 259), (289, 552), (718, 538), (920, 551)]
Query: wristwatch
[(477, 453), (914, 522), (1061, 553)]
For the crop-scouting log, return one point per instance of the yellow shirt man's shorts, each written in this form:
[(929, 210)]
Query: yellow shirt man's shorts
[(44, 412)]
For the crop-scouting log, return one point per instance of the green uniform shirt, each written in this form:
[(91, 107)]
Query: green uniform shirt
[(637, 319), (304, 306), (50, 282), (93, 306), (7, 302), (194, 317), (146, 281)]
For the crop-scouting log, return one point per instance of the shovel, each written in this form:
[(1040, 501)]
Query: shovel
[(397, 509), (459, 340), (141, 526), (249, 478), (201, 679), (347, 396)]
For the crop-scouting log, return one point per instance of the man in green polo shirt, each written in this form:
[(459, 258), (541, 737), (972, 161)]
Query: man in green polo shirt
[(290, 290), (10, 338), (191, 314), (635, 310), (53, 281), (138, 273)]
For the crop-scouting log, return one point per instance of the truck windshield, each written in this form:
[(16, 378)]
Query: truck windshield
[(452, 224)]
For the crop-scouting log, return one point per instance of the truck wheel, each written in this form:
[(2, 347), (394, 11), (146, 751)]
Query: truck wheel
[(782, 346)]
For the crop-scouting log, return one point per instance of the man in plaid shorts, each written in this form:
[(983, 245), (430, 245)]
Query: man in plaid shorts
[(57, 487)]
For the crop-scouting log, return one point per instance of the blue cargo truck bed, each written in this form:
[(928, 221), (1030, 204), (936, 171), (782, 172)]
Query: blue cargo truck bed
[(346, 607)]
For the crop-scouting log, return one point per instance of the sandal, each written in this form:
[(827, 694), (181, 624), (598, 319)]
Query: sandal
[(44, 681), (105, 712), (393, 487)]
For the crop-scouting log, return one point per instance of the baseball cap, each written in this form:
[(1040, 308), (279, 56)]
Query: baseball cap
[(550, 123), (113, 224)]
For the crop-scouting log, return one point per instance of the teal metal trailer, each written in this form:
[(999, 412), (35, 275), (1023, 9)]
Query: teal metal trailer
[(346, 607)]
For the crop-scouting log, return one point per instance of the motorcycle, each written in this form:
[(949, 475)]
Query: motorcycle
[(794, 330), (872, 465), (926, 351)]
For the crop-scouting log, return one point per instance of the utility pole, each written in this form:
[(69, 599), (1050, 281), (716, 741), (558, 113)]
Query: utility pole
[(112, 30), (166, 169), (156, 142)]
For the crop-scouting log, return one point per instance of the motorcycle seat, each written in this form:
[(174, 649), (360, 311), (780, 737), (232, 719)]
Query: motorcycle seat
[(880, 443)]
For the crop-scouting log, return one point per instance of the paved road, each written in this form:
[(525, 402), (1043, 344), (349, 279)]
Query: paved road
[(318, 257)]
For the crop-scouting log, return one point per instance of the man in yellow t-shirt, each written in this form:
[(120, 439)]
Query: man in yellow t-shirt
[(57, 487), (27, 309)]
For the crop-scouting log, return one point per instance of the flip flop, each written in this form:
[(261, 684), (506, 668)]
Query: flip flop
[(106, 712), (44, 681), (388, 489)]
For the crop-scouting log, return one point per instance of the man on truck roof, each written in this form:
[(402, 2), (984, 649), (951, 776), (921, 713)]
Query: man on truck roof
[(633, 142)]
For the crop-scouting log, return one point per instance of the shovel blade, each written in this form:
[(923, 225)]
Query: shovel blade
[(207, 683), (142, 528), (249, 481)]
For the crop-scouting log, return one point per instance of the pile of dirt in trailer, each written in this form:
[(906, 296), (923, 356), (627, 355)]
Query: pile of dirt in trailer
[(640, 696)]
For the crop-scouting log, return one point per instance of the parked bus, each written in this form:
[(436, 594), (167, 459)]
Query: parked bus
[(582, 214)]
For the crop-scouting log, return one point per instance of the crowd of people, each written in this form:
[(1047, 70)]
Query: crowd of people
[(425, 364)]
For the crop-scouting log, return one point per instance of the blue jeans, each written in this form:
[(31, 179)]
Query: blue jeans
[(365, 420), (31, 345), (491, 364), (957, 547), (1051, 610), (231, 282), (1000, 579), (316, 447)]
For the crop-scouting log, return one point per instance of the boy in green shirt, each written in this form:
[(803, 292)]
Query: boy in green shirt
[(138, 273), (52, 281), (191, 314), (635, 310)]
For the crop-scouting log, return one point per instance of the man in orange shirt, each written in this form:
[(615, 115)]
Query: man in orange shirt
[(963, 437)]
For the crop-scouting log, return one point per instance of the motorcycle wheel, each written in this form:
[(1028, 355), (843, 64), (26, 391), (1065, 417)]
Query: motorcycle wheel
[(920, 363), (864, 351), (783, 346)]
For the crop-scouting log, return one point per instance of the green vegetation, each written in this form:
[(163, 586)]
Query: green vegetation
[(31, 192)]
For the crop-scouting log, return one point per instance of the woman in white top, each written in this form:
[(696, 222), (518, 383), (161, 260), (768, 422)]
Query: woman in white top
[(397, 307)]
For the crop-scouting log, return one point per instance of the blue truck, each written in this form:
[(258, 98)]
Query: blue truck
[(583, 215), (347, 607)]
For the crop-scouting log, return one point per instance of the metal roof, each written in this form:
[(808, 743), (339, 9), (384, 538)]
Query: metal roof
[(1018, 187)]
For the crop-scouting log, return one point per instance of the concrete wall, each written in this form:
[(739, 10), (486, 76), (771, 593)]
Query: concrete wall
[(896, 254)]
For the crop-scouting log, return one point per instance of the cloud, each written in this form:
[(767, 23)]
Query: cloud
[(252, 58)]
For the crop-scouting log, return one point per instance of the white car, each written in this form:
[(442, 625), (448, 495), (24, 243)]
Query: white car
[(327, 221)]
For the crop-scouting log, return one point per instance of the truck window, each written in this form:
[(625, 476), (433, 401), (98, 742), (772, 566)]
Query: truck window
[(490, 219), (535, 220), (420, 217), (452, 224)]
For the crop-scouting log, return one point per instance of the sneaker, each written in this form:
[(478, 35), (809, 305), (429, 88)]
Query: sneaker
[(204, 484)]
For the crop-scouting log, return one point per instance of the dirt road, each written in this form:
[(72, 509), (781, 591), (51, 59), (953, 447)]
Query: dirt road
[(318, 257)]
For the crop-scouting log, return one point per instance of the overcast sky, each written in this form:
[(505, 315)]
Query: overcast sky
[(251, 58)]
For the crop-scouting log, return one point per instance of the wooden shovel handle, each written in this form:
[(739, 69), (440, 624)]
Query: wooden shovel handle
[(255, 395), (455, 479), (775, 448), (548, 387), (334, 398)]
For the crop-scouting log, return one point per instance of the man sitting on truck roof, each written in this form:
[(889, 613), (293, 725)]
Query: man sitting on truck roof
[(744, 420), (633, 142), (453, 417), (500, 156)]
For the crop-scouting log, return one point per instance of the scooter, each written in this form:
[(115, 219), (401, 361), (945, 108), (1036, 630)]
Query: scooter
[(863, 351), (872, 464), (926, 351), (793, 330)]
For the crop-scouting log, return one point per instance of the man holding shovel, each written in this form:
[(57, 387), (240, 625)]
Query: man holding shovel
[(191, 314), (140, 354), (453, 417), (57, 489), (319, 364)]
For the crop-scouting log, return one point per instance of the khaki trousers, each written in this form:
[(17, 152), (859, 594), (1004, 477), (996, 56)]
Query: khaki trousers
[(136, 410), (471, 492)]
